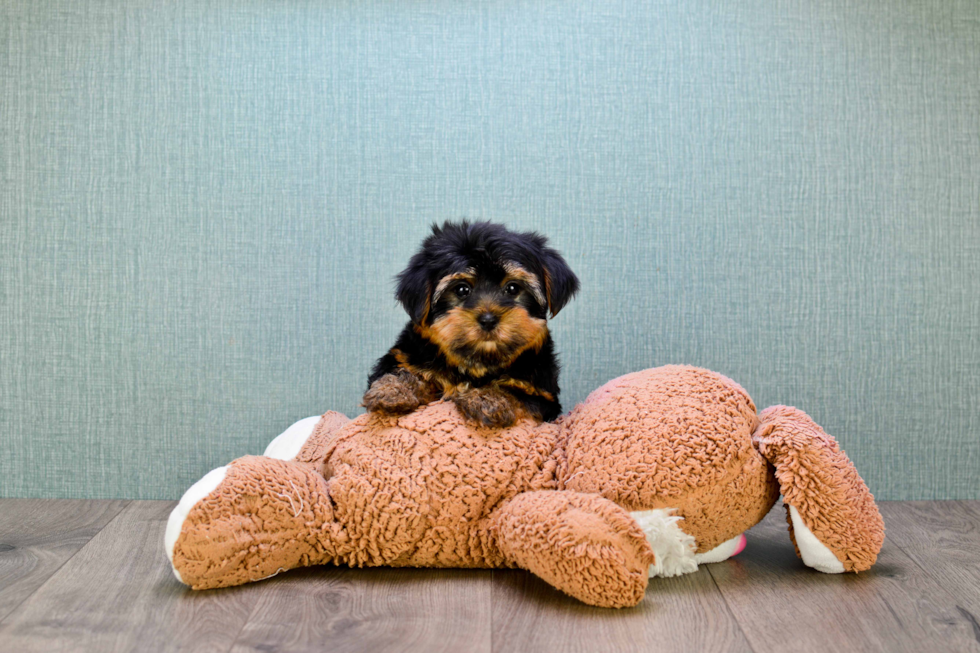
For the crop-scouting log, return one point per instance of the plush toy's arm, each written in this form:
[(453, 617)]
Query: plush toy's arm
[(250, 520), (584, 545), (832, 515)]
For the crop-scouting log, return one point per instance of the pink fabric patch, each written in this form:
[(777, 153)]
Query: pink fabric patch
[(741, 545)]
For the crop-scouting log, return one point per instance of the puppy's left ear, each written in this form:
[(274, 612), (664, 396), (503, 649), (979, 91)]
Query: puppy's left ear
[(560, 283), (414, 289)]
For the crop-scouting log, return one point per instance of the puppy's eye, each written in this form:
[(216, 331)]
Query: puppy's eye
[(462, 290), (512, 289)]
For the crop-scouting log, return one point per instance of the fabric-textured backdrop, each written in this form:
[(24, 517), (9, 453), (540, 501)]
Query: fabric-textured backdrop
[(203, 204)]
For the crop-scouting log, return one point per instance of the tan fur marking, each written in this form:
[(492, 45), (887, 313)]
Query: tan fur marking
[(524, 386), (517, 329), (451, 389), (445, 329), (517, 273), (400, 356), (517, 324), (467, 275), (547, 290), (435, 379)]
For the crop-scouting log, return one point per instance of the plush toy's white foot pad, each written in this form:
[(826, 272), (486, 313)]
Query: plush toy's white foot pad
[(723, 551), (288, 444), (812, 550), (672, 547), (194, 493)]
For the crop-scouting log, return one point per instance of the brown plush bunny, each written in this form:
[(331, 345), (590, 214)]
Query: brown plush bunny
[(656, 472)]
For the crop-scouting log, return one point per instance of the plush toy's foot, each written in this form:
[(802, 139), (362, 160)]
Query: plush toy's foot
[(674, 549), (191, 498), (308, 439), (582, 544), (812, 550), (250, 520), (833, 520), (723, 551), (288, 443)]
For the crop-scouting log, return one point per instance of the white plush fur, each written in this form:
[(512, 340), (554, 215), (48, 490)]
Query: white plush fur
[(723, 551), (814, 553), (288, 444), (194, 493), (673, 548)]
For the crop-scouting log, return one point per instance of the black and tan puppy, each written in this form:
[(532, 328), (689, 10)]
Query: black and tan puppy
[(479, 297)]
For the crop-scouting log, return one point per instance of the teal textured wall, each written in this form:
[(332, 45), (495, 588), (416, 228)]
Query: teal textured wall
[(203, 205)]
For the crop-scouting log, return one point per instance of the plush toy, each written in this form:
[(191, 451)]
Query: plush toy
[(655, 473)]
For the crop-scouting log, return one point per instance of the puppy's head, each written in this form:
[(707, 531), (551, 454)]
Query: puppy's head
[(482, 293)]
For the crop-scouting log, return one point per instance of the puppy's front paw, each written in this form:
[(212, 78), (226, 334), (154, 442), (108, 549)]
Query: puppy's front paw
[(488, 407), (396, 393)]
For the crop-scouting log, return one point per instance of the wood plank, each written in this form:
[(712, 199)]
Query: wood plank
[(377, 609), (942, 537), (686, 613), (37, 536), (118, 593), (783, 606)]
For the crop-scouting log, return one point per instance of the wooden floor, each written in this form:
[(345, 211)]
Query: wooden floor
[(92, 576)]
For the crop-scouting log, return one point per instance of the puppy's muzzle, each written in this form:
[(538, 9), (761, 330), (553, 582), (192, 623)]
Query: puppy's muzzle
[(488, 321)]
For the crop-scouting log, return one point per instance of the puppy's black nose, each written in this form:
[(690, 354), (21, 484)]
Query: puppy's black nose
[(488, 321)]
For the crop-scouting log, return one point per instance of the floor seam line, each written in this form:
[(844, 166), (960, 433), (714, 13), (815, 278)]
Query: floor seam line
[(728, 608), (251, 613), (62, 565), (938, 581)]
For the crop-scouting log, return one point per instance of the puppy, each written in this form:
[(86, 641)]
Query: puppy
[(478, 296)]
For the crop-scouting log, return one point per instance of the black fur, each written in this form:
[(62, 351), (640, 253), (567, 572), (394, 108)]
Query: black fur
[(457, 246), (485, 247)]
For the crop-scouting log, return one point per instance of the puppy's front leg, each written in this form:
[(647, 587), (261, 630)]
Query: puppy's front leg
[(397, 393), (488, 406)]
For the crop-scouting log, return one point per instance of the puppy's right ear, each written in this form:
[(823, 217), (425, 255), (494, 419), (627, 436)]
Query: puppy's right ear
[(415, 290)]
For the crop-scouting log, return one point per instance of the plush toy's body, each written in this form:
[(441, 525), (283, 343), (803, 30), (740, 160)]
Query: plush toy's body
[(654, 473)]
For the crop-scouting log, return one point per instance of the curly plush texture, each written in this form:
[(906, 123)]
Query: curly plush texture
[(262, 506), (672, 437), (582, 544), (429, 489), (819, 480)]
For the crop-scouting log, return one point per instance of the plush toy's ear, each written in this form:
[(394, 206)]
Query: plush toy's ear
[(415, 290), (560, 283)]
